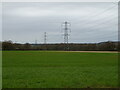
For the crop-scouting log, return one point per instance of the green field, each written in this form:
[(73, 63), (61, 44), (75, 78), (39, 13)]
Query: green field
[(43, 69)]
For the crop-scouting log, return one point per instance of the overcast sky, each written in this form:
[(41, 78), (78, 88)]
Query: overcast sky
[(90, 22)]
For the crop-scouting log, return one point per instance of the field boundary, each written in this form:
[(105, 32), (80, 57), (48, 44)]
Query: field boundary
[(91, 51)]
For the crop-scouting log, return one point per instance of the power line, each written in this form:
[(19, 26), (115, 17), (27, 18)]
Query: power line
[(102, 36), (93, 27), (99, 13)]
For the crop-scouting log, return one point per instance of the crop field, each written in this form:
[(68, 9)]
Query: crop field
[(50, 69)]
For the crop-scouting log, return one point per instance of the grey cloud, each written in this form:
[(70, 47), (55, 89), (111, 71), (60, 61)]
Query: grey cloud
[(25, 22)]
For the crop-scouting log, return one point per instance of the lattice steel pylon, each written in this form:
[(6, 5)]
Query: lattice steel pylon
[(45, 41), (67, 31), (45, 37)]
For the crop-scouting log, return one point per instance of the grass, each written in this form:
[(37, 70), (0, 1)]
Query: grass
[(42, 69)]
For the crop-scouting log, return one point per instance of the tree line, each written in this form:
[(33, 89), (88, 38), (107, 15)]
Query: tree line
[(103, 46)]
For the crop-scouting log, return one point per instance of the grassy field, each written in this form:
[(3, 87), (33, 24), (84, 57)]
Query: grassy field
[(42, 69)]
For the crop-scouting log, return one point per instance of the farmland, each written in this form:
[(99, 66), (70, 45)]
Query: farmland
[(50, 69)]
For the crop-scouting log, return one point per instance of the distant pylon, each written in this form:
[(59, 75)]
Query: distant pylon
[(66, 34), (36, 41), (45, 37)]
